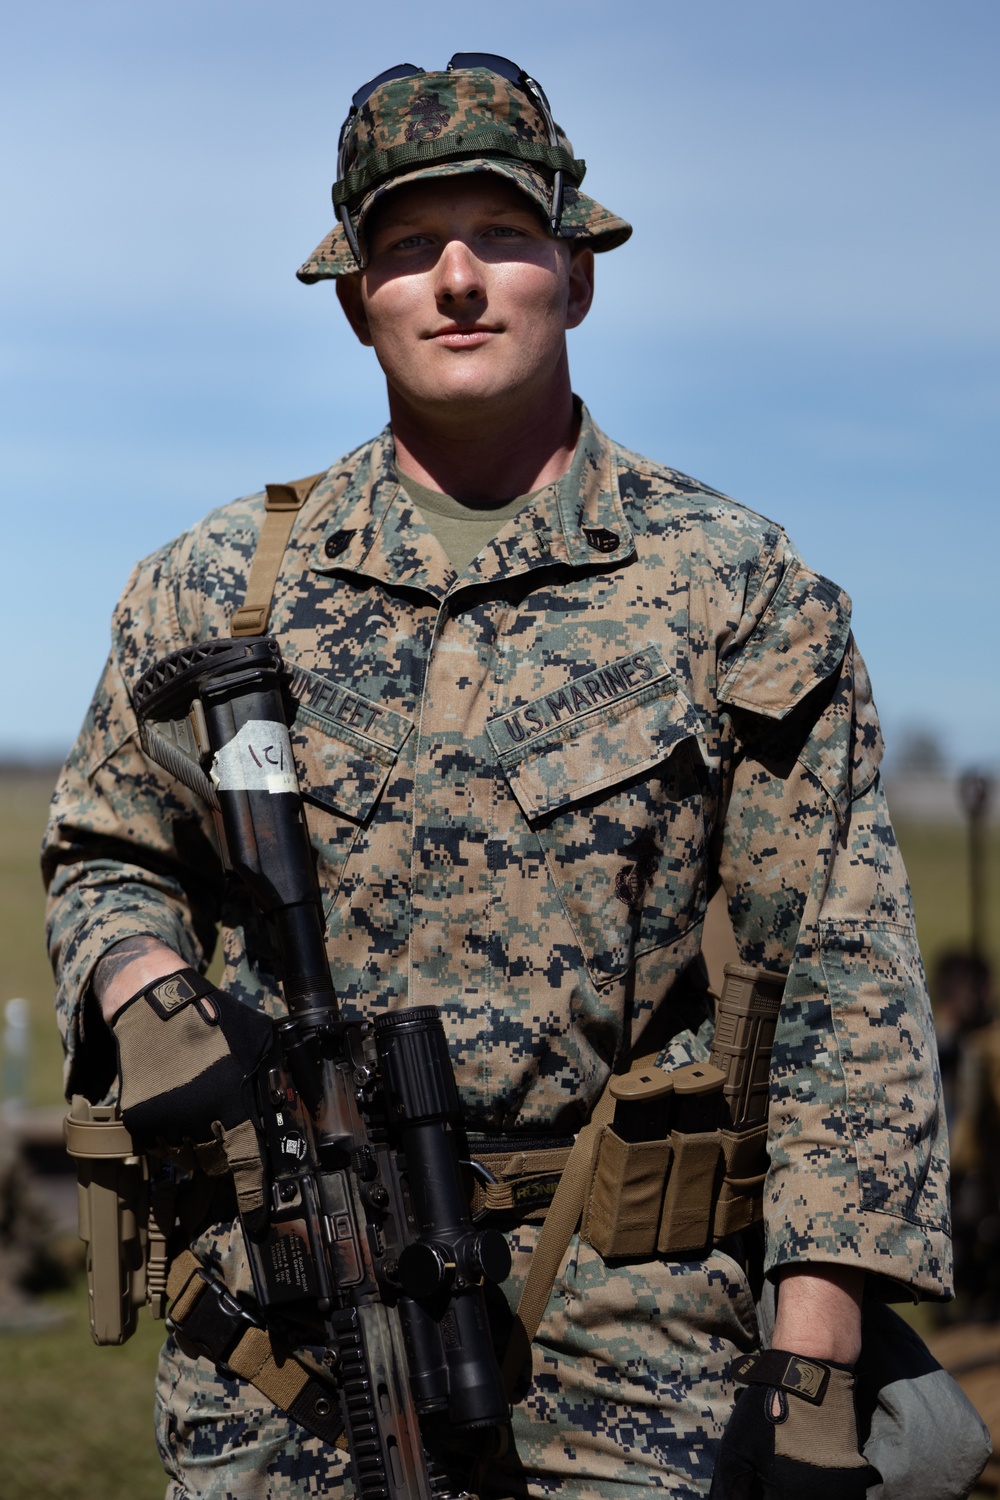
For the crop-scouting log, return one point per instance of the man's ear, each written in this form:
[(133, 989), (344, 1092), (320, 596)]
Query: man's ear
[(580, 293), (351, 300)]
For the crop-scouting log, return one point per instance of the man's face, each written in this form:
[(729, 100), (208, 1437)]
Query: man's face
[(466, 296)]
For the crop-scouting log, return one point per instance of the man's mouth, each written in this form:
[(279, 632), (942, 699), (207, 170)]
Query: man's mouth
[(463, 335)]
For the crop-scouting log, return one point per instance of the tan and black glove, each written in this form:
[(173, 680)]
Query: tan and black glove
[(185, 1055), (793, 1434)]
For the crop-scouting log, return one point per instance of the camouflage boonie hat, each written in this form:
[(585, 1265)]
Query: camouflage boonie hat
[(468, 119)]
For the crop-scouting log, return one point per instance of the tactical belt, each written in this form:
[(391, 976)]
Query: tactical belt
[(207, 1316), (670, 1197), (516, 1177)]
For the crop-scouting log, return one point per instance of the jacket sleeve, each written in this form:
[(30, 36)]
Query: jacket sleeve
[(816, 885), (128, 850)]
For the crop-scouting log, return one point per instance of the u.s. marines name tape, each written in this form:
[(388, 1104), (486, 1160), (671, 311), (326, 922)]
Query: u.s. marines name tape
[(582, 695)]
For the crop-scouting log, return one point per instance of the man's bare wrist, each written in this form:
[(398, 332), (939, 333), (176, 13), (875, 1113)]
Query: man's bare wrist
[(819, 1312), (127, 967)]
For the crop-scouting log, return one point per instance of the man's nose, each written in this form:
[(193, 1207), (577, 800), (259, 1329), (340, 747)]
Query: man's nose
[(459, 274)]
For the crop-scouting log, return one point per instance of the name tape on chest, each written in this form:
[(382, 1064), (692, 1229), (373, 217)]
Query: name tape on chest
[(584, 695), (334, 702)]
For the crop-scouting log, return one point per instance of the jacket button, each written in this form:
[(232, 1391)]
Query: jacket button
[(599, 539), (338, 543)]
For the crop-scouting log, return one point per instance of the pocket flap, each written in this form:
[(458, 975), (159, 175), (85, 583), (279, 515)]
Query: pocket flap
[(571, 743), (345, 744), (799, 642)]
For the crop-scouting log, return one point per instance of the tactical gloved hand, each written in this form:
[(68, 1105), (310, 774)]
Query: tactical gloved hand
[(807, 1448), (184, 1051)]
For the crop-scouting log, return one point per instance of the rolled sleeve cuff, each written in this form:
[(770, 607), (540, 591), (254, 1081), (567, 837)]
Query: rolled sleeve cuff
[(818, 1220)]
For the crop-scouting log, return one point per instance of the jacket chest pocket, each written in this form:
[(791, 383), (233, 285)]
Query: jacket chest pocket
[(616, 797), (345, 752)]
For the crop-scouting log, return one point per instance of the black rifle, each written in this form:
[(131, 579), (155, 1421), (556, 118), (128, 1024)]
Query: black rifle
[(366, 1231)]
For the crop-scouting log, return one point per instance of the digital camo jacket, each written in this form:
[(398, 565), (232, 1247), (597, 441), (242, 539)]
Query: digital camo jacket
[(523, 786)]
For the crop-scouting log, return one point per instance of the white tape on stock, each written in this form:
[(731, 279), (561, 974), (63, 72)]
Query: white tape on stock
[(257, 759)]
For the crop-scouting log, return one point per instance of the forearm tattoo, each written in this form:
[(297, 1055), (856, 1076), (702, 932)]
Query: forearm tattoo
[(118, 958)]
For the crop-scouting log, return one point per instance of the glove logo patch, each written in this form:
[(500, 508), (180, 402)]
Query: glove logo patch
[(804, 1378), (171, 995)]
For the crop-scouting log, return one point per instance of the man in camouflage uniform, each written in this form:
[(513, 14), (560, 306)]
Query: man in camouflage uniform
[(548, 695)]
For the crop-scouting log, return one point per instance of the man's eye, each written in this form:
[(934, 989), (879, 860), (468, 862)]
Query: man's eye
[(505, 231), (386, 244)]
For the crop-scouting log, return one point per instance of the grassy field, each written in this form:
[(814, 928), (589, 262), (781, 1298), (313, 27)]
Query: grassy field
[(24, 967), (84, 1423)]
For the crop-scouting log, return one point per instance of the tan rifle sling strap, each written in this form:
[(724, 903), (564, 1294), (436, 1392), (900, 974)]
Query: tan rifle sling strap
[(207, 1316), (560, 1225), (284, 501)]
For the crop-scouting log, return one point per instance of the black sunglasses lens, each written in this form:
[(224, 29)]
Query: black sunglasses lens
[(490, 60), (401, 70), (506, 69)]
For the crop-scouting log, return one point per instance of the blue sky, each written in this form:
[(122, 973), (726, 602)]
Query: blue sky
[(807, 315)]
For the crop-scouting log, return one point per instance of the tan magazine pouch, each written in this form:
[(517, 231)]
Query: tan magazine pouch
[(677, 1196), (686, 1222), (740, 1202), (622, 1214), (695, 1175)]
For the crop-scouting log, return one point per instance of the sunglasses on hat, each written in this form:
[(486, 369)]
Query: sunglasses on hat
[(461, 61)]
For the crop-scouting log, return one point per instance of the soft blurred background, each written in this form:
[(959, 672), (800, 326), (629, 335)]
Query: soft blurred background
[(806, 317)]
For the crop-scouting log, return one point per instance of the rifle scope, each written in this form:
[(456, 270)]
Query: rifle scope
[(441, 1271)]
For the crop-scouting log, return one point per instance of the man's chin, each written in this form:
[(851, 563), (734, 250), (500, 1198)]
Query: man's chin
[(474, 399)]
